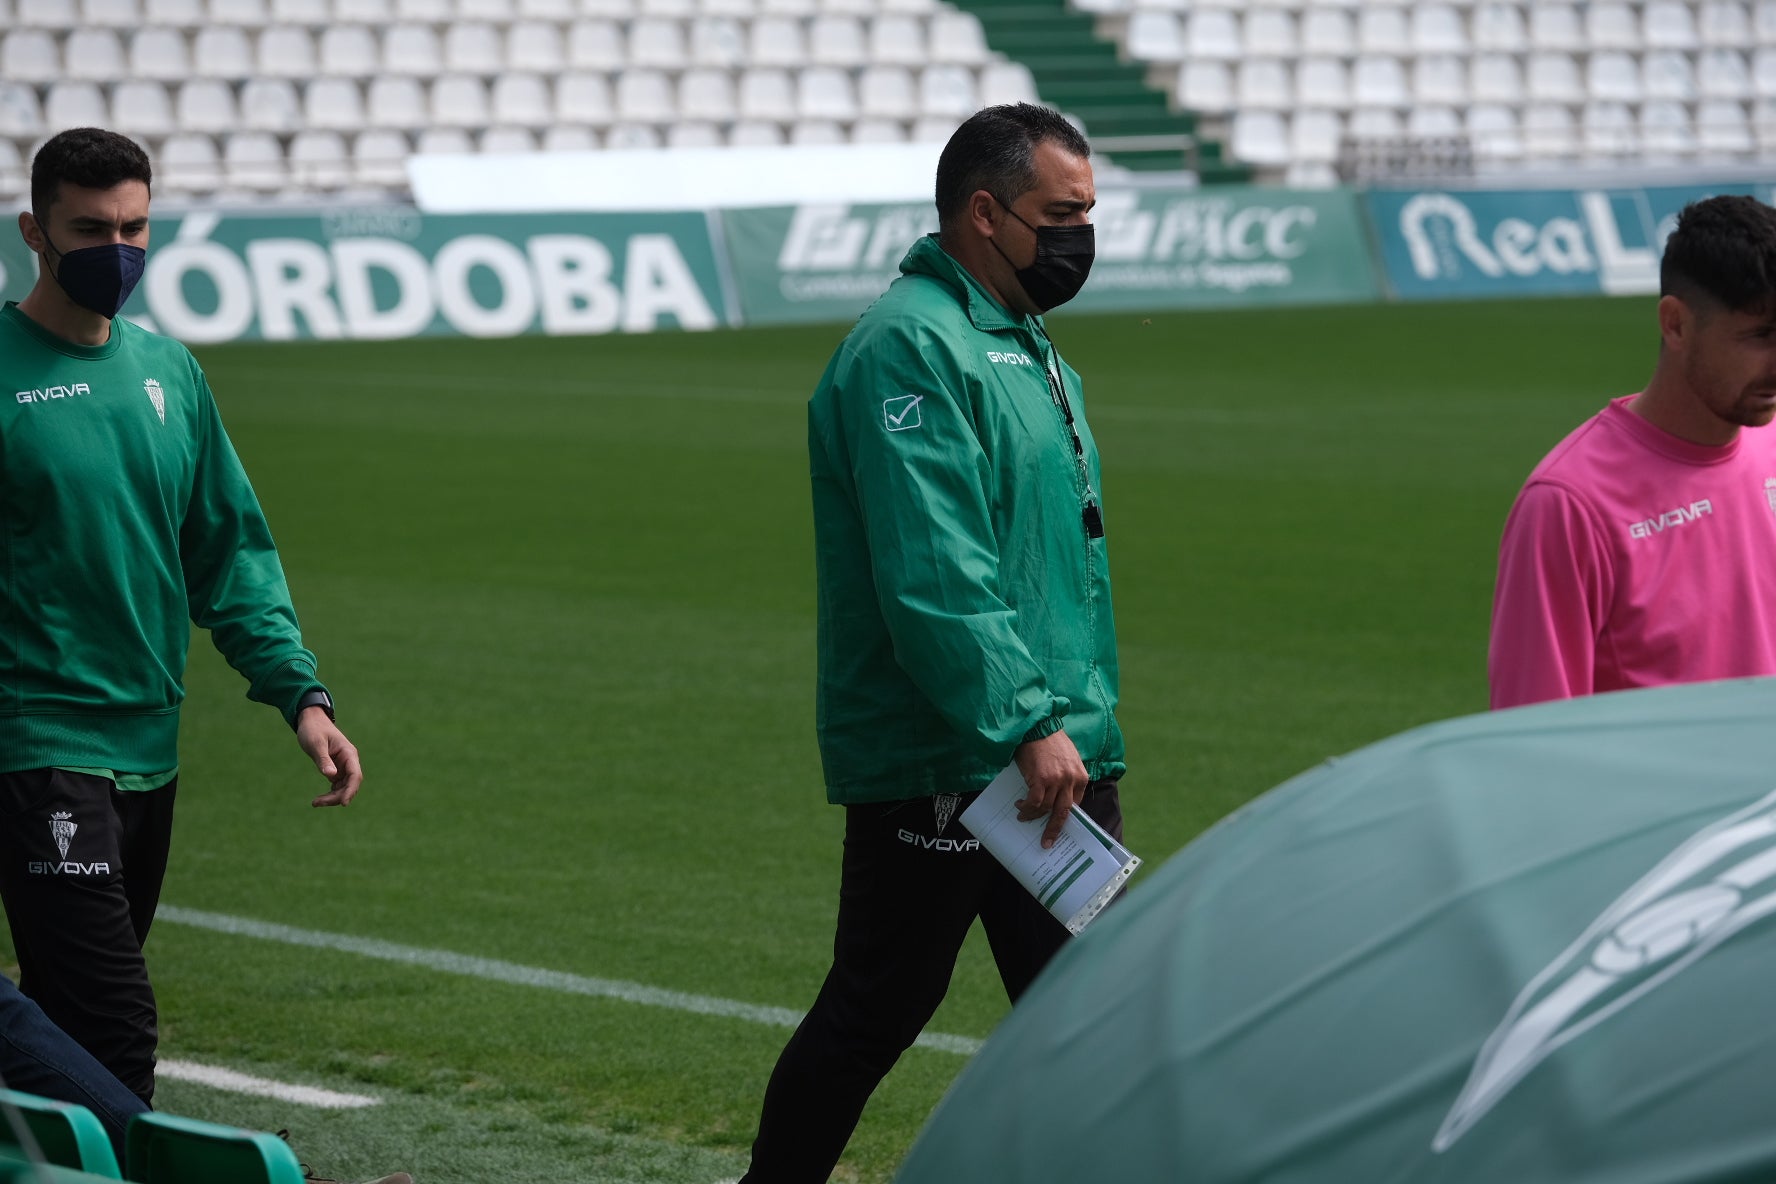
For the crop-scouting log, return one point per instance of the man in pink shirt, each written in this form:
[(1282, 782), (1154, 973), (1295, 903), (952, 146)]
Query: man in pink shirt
[(1642, 550)]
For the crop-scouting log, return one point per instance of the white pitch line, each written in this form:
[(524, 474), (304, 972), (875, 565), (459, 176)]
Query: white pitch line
[(262, 1087), (525, 976)]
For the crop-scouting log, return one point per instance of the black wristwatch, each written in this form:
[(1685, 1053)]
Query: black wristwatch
[(316, 698)]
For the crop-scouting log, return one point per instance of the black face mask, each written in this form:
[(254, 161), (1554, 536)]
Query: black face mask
[(99, 279), (1064, 257)]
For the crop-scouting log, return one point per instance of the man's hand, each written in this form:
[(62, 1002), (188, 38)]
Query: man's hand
[(332, 754), (1056, 777)]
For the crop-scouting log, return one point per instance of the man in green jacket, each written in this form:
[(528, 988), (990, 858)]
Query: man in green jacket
[(125, 516), (964, 609)]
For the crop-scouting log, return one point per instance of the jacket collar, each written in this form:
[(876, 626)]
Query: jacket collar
[(928, 258)]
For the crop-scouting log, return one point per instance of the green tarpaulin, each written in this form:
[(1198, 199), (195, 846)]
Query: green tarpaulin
[(1529, 946)]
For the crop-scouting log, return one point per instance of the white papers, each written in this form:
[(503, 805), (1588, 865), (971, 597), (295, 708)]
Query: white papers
[(1075, 878)]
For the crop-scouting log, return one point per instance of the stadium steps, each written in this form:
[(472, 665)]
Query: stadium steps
[(1082, 74)]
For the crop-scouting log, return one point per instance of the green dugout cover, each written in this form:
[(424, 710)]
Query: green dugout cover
[(1535, 945)]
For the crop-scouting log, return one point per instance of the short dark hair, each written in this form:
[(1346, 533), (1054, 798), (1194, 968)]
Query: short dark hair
[(1723, 252), (90, 157), (995, 150)]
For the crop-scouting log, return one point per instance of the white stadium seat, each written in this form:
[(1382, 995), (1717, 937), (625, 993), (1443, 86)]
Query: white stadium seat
[(74, 104), (560, 11), (1613, 77), (333, 104), (493, 11), (349, 51), (188, 163), (1260, 137), (718, 41), (1263, 84), (142, 108), (596, 45), (521, 100), (160, 54), (887, 93), (1548, 132), (1667, 74), (957, 37), (1497, 78), (207, 105), (471, 47), (631, 136), (657, 43), (175, 14), (878, 131), (47, 14), (645, 96), (1373, 123), (255, 161), (825, 92), (1430, 122), (536, 46), (776, 41), (1314, 136), (1270, 32), (947, 91), (1722, 129), (1554, 78), (1499, 28), (380, 158), (423, 12), (21, 115), (755, 133), (582, 98), (1438, 28), (459, 100), (443, 141), (111, 14), (93, 55), (1763, 73), (816, 131), (1328, 31), (693, 135), (1724, 23), (270, 105), (1206, 86), (1379, 82), (1610, 24), (30, 55), (1156, 37), (1763, 125), (1556, 26), (767, 94), (248, 14), (412, 50), (707, 94), (1670, 24), (837, 40), (221, 52), (364, 12), (1007, 82), (396, 103), (1665, 130), (1209, 33), (1610, 131), (567, 138), (1492, 129), (897, 40), (510, 140), (1383, 31), (1723, 74), (318, 160), (929, 129), (1322, 82), (286, 51), (310, 14), (1440, 78)]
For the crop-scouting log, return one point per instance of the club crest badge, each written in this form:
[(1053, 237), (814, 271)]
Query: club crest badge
[(62, 828), (157, 397), (943, 805)]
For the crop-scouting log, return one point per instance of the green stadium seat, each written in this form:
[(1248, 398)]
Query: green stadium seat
[(23, 1171), (68, 1135), (163, 1149)]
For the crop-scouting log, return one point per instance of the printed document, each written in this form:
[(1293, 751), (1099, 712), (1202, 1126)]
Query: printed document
[(1075, 878)]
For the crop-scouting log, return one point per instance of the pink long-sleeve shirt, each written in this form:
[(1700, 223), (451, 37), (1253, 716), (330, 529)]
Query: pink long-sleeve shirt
[(1633, 558)]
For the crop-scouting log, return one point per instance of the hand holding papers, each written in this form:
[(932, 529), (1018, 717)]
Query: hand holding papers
[(1075, 878)]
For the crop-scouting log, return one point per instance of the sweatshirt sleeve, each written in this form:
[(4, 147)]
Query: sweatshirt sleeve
[(234, 582), (922, 479), (1553, 594)]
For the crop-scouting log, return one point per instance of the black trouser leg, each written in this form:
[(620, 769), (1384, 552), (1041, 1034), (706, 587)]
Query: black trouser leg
[(1022, 934), (907, 896), (79, 916)]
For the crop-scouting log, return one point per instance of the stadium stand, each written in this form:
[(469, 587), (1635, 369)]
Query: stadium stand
[(244, 99)]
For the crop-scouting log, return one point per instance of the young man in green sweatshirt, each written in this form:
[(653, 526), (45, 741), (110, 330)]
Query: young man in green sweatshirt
[(124, 517)]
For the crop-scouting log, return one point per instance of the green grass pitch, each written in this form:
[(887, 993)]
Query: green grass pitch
[(563, 591)]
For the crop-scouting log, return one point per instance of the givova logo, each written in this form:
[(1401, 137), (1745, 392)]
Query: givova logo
[(378, 286), (1718, 882), (45, 394)]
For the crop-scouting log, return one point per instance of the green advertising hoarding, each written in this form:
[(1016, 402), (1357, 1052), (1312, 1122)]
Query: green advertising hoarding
[(369, 273), (1157, 249)]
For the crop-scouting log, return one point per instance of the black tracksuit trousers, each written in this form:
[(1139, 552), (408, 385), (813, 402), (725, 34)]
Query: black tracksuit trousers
[(908, 892), (80, 914)]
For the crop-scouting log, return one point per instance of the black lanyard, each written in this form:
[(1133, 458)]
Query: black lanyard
[(1091, 515)]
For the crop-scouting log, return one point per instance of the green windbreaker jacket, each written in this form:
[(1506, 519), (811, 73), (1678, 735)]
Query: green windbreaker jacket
[(963, 606)]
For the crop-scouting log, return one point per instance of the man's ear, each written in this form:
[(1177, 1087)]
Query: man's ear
[(982, 212), (1677, 322), (31, 232)]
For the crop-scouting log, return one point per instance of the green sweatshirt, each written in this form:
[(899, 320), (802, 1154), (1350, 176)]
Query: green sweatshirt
[(963, 605), (124, 516)]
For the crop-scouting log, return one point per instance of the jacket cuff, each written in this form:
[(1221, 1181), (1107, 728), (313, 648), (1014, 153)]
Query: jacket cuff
[(284, 685), (1049, 726)]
